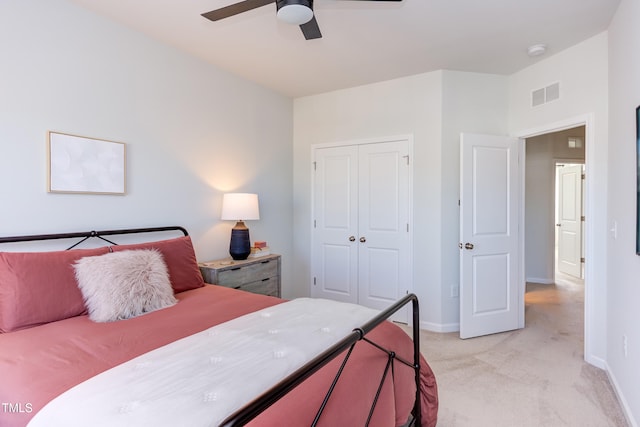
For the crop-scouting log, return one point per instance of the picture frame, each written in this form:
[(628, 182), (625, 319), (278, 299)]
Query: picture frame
[(79, 164), (638, 180)]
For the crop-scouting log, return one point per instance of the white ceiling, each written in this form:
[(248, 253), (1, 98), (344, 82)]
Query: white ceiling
[(365, 41)]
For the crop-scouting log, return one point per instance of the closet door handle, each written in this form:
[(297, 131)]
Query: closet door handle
[(363, 239), (352, 238)]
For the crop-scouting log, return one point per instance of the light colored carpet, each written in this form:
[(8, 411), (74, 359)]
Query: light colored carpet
[(535, 376)]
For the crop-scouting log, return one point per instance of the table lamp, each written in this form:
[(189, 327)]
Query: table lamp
[(240, 207)]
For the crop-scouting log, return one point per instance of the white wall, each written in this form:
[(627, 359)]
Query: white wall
[(541, 153), (192, 131), (434, 108), (583, 76), (623, 316)]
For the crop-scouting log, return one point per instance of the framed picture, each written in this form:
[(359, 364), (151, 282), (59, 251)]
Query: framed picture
[(638, 180), (77, 164)]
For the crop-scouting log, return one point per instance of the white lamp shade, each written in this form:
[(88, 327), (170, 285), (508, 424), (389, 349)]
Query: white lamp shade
[(240, 206)]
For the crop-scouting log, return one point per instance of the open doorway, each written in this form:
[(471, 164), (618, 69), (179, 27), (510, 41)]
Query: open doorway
[(594, 283), (554, 216), (543, 153)]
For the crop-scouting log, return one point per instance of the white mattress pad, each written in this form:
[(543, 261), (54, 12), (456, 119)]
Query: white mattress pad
[(203, 378)]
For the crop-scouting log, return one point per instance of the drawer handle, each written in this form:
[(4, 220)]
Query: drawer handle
[(265, 262), (267, 279), (236, 268), (237, 287)]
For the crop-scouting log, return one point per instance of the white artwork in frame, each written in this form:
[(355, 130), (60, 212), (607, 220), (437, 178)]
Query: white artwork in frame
[(79, 164)]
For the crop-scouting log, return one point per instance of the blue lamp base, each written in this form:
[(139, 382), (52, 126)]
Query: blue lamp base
[(240, 244)]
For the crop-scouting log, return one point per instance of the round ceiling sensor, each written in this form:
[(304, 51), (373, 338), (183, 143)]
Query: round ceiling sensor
[(537, 49)]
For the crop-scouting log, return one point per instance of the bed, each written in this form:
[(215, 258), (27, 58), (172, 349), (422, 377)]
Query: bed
[(203, 355)]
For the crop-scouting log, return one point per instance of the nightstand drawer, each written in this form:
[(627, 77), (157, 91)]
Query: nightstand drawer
[(248, 273), (267, 286), (257, 275)]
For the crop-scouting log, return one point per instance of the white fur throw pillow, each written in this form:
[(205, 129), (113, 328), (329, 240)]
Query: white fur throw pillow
[(121, 285)]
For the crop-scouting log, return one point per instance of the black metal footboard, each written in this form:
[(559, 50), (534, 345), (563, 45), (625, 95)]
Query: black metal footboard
[(268, 398)]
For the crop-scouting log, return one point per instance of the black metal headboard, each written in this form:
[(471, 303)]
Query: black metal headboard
[(84, 235)]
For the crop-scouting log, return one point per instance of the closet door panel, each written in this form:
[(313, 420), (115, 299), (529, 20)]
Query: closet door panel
[(383, 254), (335, 249)]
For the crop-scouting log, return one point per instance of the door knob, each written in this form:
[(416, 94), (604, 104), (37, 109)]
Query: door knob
[(363, 239), (352, 238), (468, 246)]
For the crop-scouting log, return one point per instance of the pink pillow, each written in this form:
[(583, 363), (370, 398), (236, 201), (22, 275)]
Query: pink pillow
[(40, 287), (180, 258)]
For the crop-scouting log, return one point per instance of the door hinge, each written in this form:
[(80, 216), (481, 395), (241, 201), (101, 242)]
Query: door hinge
[(314, 224), (406, 157), (314, 281), (314, 165), (582, 218), (582, 260), (407, 227), (583, 176)]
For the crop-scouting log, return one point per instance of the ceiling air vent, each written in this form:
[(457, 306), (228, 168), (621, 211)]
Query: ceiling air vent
[(546, 94)]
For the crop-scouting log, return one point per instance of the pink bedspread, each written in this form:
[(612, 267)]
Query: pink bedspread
[(38, 364)]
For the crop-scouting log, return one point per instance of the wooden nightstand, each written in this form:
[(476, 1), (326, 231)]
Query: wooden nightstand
[(258, 275)]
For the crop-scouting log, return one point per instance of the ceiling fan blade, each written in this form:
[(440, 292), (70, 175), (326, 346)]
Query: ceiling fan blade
[(234, 9), (311, 30)]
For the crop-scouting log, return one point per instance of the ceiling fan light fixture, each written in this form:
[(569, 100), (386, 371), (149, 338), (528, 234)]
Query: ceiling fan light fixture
[(296, 12)]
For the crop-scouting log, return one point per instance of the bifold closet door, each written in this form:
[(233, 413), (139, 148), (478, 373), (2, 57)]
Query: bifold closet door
[(361, 223)]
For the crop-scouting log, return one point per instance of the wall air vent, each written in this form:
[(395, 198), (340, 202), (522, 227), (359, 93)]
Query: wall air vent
[(545, 94), (537, 97)]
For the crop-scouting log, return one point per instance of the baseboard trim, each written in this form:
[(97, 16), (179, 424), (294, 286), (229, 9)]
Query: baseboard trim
[(626, 410), (540, 280), (440, 327), (597, 362)]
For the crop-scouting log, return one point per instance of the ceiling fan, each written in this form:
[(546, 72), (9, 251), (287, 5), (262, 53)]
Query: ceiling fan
[(296, 12)]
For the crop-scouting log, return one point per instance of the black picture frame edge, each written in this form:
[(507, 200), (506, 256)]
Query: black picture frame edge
[(638, 180)]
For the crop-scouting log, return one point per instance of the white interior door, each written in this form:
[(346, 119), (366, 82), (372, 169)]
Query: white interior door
[(384, 258), (490, 299), (335, 251), (362, 244), (570, 220)]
